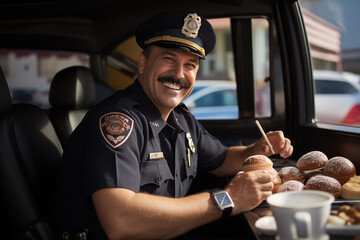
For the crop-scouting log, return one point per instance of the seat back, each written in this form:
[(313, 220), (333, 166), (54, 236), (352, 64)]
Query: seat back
[(72, 94), (30, 153)]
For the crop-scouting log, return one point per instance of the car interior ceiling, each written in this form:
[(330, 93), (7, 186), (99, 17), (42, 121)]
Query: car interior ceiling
[(83, 25)]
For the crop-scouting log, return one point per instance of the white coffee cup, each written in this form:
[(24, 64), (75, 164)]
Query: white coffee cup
[(301, 214)]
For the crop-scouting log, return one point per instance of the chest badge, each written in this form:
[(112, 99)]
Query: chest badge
[(115, 127), (190, 142)]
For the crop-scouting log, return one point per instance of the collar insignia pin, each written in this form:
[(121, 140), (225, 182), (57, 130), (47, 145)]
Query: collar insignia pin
[(190, 142)]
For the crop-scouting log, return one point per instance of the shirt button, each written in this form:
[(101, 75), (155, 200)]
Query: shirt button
[(159, 178)]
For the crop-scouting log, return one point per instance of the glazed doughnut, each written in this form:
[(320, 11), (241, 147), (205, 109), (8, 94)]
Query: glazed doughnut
[(351, 189), (291, 185), (339, 168), (324, 183), (312, 160), (291, 173), (257, 162)]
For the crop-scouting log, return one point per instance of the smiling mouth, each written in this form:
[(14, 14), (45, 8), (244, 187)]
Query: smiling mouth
[(172, 83)]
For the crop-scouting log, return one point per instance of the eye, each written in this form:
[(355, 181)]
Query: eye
[(190, 65), (168, 58)]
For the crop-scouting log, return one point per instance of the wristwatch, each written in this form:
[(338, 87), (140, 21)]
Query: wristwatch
[(223, 201)]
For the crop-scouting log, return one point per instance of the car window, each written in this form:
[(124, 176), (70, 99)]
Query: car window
[(29, 72), (218, 69), (217, 99), (333, 87), (333, 30)]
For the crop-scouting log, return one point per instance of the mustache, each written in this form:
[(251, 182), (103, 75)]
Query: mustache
[(181, 82)]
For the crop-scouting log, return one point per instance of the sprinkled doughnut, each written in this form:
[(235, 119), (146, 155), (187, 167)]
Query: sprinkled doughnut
[(339, 168), (324, 183), (312, 160), (291, 173), (257, 162), (291, 185)]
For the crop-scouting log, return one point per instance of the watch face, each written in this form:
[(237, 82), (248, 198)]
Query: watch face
[(223, 200)]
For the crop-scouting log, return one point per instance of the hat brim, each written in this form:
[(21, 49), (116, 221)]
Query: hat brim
[(178, 47)]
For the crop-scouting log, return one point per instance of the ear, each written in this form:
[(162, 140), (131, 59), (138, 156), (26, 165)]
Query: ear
[(141, 63)]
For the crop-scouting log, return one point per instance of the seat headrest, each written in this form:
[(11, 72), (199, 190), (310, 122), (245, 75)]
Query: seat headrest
[(73, 88), (5, 97)]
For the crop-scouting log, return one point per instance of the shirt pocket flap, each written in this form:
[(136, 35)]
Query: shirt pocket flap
[(155, 172)]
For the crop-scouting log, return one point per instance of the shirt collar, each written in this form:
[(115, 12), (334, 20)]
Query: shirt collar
[(156, 121)]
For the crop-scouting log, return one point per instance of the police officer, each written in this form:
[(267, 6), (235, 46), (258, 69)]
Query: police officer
[(128, 166)]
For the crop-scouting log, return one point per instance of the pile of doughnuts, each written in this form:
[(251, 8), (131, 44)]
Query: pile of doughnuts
[(313, 171), (261, 162), (346, 215), (325, 174)]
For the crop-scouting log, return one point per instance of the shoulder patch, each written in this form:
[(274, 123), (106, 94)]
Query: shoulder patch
[(115, 127)]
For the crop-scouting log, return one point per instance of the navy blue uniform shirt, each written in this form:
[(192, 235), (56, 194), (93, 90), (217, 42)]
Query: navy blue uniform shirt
[(125, 143)]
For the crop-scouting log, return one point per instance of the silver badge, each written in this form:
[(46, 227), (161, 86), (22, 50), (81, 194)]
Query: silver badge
[(192, 24), (190, 142)]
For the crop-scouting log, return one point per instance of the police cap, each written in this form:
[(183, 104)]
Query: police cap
[(178, 29)]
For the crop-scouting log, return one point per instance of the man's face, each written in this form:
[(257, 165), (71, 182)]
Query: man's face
[(167, 76)]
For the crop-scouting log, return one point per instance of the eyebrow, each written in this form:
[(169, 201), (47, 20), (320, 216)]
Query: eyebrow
[(194, 59)]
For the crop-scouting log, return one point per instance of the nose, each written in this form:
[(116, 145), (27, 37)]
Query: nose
[(177, 71)]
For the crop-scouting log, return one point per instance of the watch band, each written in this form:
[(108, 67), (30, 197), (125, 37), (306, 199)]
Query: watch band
[(226, 212)]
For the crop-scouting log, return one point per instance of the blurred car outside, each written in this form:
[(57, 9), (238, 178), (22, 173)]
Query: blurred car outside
[(337, 97), (215, 99)]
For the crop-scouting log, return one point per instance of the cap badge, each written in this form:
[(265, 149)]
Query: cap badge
[(192, 24)]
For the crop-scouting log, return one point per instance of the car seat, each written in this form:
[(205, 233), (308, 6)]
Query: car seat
[(72, 94), (30, 153)]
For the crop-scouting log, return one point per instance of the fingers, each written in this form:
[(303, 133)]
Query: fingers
[(264, 184), (250, 189), (267, 187), (280, 144), (287, 150), (262, 176)]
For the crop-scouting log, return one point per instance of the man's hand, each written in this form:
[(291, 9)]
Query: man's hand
[(248, 190), (281, 145)]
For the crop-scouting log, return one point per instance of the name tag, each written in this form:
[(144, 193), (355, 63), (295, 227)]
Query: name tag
[(156, 155)]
